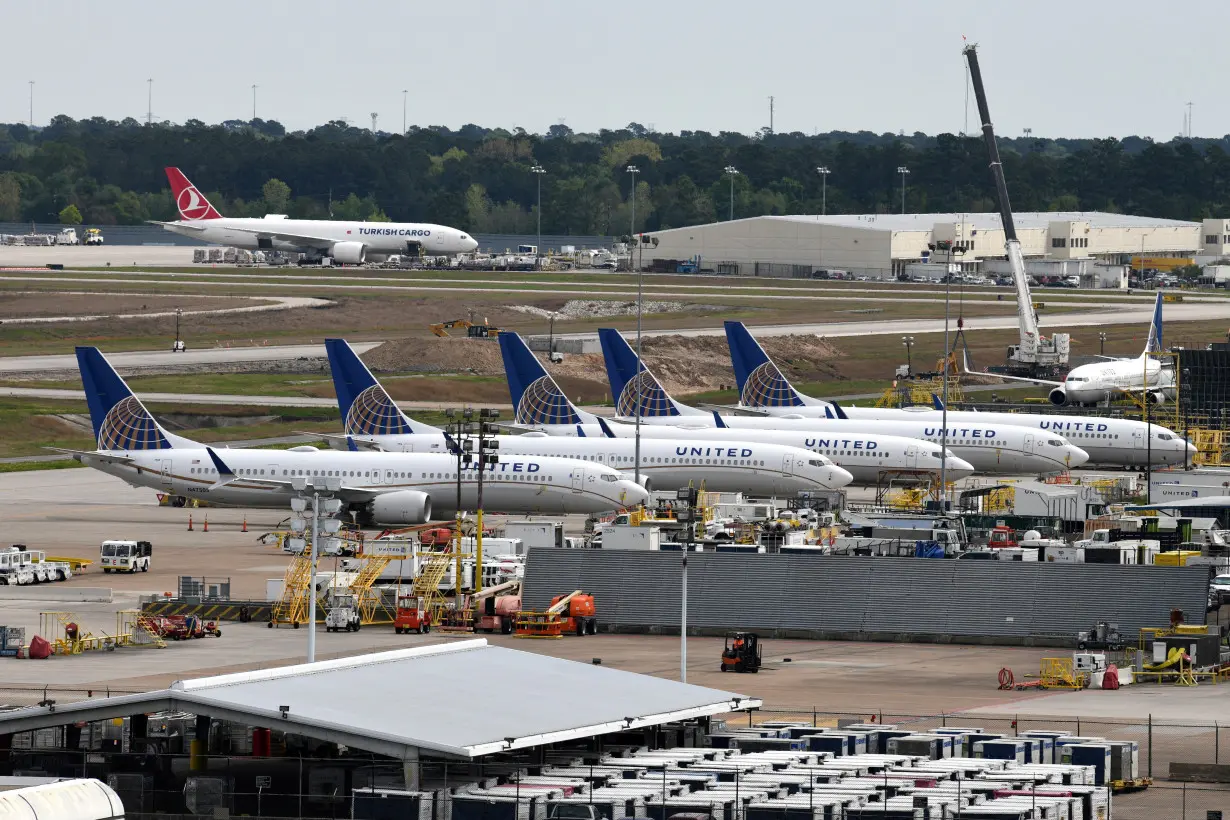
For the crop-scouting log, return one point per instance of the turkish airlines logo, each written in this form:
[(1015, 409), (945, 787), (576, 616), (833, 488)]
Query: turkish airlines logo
[(191, 204)]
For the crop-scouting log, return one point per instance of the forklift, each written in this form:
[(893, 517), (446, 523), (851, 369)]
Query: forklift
[(742, 652)]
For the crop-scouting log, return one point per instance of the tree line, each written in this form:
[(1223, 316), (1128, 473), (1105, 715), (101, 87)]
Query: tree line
[(481, 179)]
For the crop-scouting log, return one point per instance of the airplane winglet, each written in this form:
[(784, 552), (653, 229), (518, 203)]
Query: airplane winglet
[(717, 421), (937, 402), (841, 414), (225, 474), (606, 428)]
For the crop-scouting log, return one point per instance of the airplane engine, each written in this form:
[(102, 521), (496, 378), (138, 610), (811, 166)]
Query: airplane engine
[(399, 508), (349, 253), (1157, 397), (1058, 397)]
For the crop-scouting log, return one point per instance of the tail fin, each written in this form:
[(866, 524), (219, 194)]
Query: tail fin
[(1154, 344), (536, 398), (120, 420), (191, 203), (936, 402), (630, 378), (761, 383), (367, 409)]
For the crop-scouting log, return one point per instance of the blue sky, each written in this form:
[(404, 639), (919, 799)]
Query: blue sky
[(1062, 69)]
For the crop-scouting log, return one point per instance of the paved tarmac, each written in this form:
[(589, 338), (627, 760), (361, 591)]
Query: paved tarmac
[(165, 358)]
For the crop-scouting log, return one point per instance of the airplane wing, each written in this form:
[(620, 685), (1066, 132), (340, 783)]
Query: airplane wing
[(1182, 504), (106, 458), (344, 442), (226, 475), (286, 236), (1027, 379), (734, 410), (186, 225)]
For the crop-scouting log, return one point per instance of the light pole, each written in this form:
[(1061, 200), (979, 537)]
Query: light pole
[(1102, 343), (404, 95), (178, 313), (538, 171), (253, 100), (32, 103), (901, 169), (908, 341), (688, 496), (312, 494), (149, 103), (823, 171), (732, 170), (640, 304)]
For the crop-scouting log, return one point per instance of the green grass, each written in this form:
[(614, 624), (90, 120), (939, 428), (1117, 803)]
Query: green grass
[(32, 466)]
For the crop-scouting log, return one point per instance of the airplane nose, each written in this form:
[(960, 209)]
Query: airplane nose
[(959, 467), (1076, 456), (469, 244), (630, 494), (839, 477)]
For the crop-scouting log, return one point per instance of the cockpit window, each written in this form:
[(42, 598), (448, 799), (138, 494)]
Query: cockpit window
[(608, 478), (1164, 436), (1054, 442), (935, 454), (815, 462)]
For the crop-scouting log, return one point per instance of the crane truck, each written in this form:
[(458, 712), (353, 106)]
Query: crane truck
[(1034, 355)]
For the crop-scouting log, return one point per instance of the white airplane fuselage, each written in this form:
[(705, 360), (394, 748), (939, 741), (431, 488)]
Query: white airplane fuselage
[(378, 238), (720, 464), (1099, 381), (515, 485)]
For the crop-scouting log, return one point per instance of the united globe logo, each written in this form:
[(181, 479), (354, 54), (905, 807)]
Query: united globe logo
[(128, 426), (653, 399), (767, 387), (542, 403), (373, 413)]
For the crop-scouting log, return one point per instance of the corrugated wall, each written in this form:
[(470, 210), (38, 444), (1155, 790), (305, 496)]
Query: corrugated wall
[(867, 598)]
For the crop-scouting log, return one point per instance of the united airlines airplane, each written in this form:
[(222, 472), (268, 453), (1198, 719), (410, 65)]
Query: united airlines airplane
[(371, 417), (352, 243), (997, 448), (539, 404), (386, 489), (1109, 442)]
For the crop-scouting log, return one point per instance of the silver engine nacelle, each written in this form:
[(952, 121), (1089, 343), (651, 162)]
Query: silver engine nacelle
[(1058, 397), (400, 508), (1157, 397), (349, 253)]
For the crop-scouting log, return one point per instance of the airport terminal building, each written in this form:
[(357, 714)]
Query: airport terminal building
[(1089, 244)]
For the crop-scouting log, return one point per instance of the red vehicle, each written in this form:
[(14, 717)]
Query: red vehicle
[(577, 611), (497, 613), (411, 616), (186, 627)]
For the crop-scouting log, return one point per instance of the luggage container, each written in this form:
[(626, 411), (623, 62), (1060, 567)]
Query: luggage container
[(1047, 754), (1005, 749), (838, 743), (1096, 755), (771, 744), (929, 746), (1124, 759), (369, 803)]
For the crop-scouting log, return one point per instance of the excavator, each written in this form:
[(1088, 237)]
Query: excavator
[(473, 331)]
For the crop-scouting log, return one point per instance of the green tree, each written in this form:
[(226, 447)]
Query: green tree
[(277, 196), (70, 215), (10, 198)]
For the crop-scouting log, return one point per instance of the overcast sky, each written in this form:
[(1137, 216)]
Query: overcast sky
[(1074, 69)]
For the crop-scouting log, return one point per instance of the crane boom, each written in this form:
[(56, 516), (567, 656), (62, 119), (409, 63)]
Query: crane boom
[(1034, 351)]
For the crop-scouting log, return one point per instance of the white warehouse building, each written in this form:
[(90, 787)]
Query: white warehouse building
[(1094, 244)]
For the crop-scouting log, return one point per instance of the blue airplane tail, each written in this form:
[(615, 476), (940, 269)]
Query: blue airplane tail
[(366, 407), (536, 398), (761, 383), (120, 421), (1154, 343), (629, 378)]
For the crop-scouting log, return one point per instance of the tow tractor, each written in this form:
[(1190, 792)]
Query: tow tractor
[(343, 615), (412, 616), (126, 556), (742, 652), (93, 236)]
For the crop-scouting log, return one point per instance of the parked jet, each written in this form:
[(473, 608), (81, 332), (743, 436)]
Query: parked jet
[(1098, 382), (998, 448), (381, 488), (1107, 441), (372, 418), (348, 242), (539, 404)]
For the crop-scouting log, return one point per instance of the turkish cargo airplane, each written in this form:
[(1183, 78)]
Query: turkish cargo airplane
[(372, 419), (1110, 442), (387, 489), (1099, 381), (352, 243), (541, 405)]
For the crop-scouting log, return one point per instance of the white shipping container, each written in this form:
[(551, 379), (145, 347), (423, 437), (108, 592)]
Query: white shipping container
[(1064, 555), (625, 537)]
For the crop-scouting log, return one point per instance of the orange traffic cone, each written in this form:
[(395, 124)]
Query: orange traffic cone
[(189, 522), (244, 528), (206, 527)]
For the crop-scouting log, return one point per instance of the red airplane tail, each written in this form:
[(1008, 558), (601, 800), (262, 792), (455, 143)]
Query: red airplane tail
[(191, 203)]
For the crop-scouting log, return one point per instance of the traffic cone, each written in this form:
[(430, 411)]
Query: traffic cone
[(206, 527), (244, 528), (189, 522)]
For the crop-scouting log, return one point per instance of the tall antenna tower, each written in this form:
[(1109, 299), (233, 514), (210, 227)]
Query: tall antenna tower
[(771, 114), (374, 116)]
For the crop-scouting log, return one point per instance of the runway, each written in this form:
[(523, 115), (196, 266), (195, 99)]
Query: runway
[(165, 358)]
